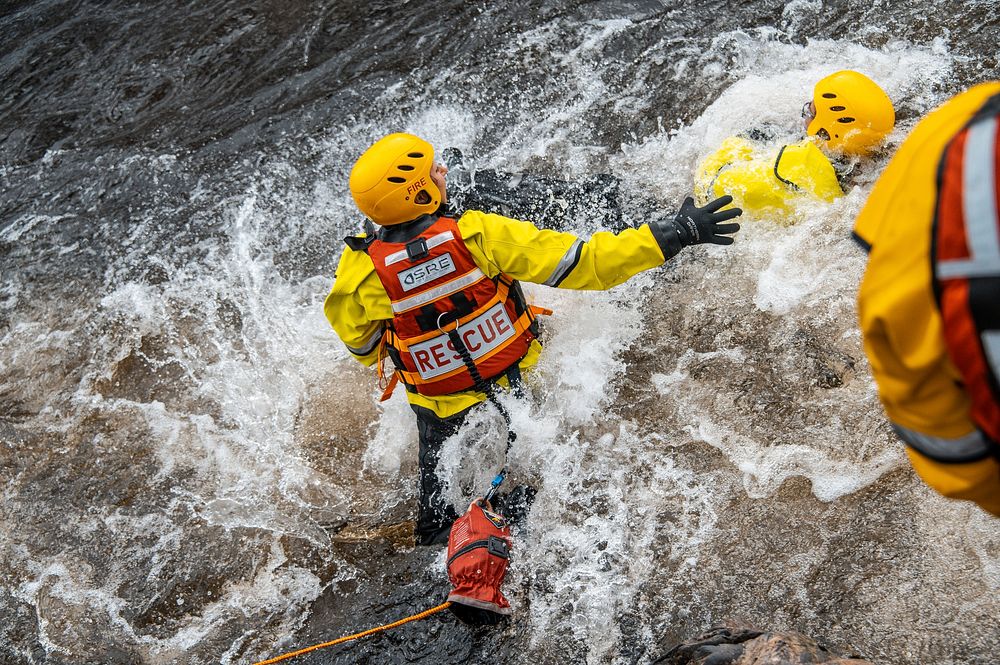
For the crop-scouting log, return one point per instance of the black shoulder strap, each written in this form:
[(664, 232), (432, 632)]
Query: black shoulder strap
[(359, 244), (777, 163), (989, 109)]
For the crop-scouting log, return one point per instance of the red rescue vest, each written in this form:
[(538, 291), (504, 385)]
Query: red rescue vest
[(434, 284), (966, 261)]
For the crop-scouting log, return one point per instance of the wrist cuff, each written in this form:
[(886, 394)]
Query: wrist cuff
[(668, 237)]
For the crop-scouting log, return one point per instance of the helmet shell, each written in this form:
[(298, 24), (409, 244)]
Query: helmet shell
[(386, 179), (853, 114)]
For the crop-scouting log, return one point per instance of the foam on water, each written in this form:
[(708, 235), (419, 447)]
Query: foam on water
[(224, 433), (585, 547)]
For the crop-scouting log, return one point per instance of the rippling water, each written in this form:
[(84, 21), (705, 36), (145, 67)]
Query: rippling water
[(194, 470)]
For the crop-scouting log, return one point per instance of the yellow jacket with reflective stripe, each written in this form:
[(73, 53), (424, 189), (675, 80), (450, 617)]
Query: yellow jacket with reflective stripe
[(358, 306), (900, 320)]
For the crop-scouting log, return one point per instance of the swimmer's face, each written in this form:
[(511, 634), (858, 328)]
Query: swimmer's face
[(438, 172)]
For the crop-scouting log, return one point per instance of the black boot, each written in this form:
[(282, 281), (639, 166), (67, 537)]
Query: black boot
[(515, 504)]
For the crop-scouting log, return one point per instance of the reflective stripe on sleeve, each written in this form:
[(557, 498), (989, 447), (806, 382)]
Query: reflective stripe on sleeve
[(566, 264), (979, 208), (468, 279), (969, 448), (991, 345), (368, 346), (432, 242)]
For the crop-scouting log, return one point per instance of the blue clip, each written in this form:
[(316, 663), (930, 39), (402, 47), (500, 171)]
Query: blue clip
[(495, 485)]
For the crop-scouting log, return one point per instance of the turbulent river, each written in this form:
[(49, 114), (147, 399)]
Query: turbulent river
[(193, 468)]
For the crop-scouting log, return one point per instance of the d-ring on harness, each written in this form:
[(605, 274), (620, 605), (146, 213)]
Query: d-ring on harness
[(489, 388)]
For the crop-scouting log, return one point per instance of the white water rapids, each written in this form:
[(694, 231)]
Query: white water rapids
[(706, 440)]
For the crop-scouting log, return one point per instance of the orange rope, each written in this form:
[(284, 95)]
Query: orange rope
[(371, 631), (379, 360)]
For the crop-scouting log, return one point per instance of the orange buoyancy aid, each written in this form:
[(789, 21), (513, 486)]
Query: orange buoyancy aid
[(966, 261), (453, 327)]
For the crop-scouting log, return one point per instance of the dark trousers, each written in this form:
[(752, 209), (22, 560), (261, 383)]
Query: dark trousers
[(434, 515)]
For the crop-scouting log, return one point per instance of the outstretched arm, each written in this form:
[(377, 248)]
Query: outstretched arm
[(524, 252)]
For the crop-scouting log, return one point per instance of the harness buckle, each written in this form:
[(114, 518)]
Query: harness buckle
[(497, 547), (417, 249)]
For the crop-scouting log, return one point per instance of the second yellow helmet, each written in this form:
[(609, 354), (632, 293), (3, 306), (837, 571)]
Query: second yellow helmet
[(853, 114), (391, 182)]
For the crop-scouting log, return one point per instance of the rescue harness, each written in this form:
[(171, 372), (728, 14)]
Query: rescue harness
[(453, 327)]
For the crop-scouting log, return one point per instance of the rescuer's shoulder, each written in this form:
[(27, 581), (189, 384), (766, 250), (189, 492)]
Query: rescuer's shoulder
[(494, 227), (353, 268)]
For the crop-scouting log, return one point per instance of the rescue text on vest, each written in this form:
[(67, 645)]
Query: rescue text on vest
[(483, 334)]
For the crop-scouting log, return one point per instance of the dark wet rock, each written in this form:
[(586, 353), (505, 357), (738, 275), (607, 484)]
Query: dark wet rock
[(549, 202), (746, 646), (388, 584)]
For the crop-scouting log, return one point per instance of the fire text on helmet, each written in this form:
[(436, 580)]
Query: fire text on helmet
[(416, 185)]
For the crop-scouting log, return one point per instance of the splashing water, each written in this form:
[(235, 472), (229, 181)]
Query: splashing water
[(194, 468)]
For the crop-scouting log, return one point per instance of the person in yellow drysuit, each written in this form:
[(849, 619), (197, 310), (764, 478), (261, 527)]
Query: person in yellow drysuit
[(849, 115), (929, 302), (437, 292)]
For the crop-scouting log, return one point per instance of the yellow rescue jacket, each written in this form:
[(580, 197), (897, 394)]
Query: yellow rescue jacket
[(358, 305), (900, 321), (766, 182)]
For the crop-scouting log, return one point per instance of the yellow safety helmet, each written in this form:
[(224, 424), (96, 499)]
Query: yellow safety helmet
[(386, 179), (853, 114)]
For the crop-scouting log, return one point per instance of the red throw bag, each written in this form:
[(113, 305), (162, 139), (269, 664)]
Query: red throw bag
[(478, 553)]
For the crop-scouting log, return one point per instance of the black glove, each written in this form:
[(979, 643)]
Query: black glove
[(694, 225)]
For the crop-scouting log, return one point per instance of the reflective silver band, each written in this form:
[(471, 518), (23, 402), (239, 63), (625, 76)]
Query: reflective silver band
[(969, 448), (956, 268), (432, 242), (566, 264), (979, 196), (991, 345), (368, 346), (475, 602), (468, 279), (979, 206)]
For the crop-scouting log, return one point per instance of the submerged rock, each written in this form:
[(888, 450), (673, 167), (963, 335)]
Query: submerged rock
[(745, 646)]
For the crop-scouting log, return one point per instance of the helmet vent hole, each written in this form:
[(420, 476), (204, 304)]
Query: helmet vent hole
[(407, 167), (838, 108), (423, 198), (823, 134), (846, 120), (397, 179), (415, 155), (829, 95)]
